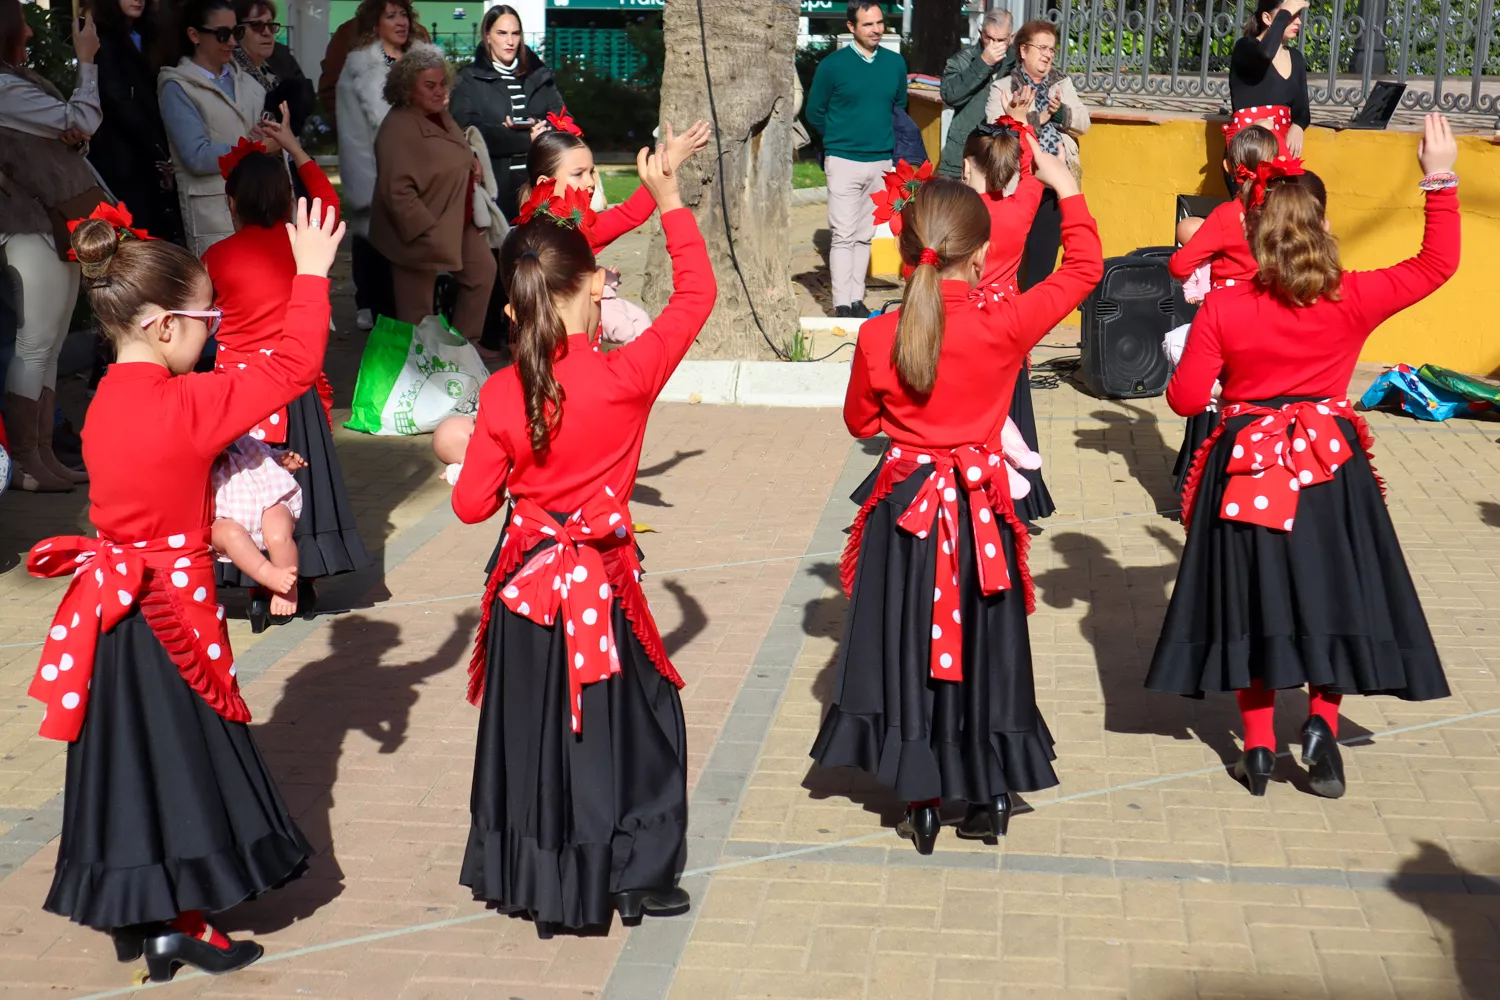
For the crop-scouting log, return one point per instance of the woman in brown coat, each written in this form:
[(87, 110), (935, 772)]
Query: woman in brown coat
[(422, 216)]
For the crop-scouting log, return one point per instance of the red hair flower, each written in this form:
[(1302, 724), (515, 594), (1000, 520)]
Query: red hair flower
[(1269, 170), (232, 159), (572, 209), (901, 186), (564, 123), (117, 216)]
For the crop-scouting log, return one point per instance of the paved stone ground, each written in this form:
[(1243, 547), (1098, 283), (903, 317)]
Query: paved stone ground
[(1148, 874)]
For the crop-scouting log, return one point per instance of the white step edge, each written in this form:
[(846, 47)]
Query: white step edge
[(758, 383)]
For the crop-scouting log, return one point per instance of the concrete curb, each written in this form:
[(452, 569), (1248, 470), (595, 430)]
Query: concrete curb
[(758, 383), (810, 196)]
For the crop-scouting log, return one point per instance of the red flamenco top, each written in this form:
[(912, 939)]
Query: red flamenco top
[(1220, 242), (1259, 347), (1010, 222), (252, 272), (150, 440), (587, 475)]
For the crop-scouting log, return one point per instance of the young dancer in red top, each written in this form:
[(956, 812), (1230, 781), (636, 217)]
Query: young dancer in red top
[(997, 161), (1292, 574), (168, 810), (1218, 243), (253, 273), (934, 695), (580, 791)]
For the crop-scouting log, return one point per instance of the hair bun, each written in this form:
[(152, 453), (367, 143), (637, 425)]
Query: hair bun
[(94, 244)]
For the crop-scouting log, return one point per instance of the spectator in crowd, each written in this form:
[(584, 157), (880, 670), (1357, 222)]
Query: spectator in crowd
[(422, 216), (207, 104), (966, 85), (344, 40), (1043, 96), (384, 37), (42, 172), (854, 94), (272, 64), (130, 148)]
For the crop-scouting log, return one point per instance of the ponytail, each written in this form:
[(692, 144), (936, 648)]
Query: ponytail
[(540, 262), (997, 155), (1249, 148), (1298, 257), (944, 224)]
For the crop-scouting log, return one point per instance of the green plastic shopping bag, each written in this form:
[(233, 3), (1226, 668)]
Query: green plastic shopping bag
[(411, 378)]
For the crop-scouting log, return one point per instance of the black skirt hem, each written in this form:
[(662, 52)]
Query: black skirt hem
[(1340, 664)]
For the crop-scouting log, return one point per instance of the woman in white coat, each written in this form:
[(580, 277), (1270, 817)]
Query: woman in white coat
[(384, 36)]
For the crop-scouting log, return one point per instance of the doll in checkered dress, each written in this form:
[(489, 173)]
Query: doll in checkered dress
[(256, 506)]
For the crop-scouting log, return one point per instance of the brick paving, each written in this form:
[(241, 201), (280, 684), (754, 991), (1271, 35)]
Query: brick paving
[(1149, 873)]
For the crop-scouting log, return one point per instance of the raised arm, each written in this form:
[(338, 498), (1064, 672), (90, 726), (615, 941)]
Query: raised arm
[(1267, 46), (1039, 310), (1192, 387), (480, 490), (1206, 243), (965, 75), (28, 108), (648, 361), (1381, 294), (318, 185), (615, 222)]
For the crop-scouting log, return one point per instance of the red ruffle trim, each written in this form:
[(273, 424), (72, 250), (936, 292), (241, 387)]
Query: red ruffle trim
[(162, 609)]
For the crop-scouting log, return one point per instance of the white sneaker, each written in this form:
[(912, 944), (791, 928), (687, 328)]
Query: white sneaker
[(365, 320)]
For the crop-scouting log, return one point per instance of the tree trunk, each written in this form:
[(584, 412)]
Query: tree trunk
[(936, 33), (751, 62)]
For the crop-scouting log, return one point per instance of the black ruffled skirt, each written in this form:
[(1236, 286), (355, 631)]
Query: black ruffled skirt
[(1199, 427), (328, 542), (1038, 503), (561, 822), (167, 806), (1330, 603), (928, 739)]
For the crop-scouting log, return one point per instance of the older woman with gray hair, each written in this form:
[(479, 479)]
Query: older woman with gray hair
[(422, 216)]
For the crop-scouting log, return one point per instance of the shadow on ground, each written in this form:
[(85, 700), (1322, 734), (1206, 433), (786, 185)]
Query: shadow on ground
[(1471, 918), (1137, 438)]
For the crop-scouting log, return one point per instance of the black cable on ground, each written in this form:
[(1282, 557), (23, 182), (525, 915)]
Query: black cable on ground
[(713, 115)]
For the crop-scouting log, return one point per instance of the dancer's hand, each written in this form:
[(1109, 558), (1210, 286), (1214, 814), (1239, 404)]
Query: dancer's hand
[(658, 177), (1052, 170), (1021, 102), (280, 134), (1438, 151), (315, 238), (688, 143)]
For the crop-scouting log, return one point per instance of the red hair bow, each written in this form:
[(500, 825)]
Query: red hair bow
[(1269, 170), (564, 123), (901, 186), (571, 209), (117, 216), (232, 159)]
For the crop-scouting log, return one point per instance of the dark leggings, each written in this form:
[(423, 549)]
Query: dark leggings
[(1042, 242), (372, 279)]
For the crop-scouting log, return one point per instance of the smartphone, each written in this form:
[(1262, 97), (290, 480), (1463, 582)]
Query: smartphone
[(270, 116), (523, 122)]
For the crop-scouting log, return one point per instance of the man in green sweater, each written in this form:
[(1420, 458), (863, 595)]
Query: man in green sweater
[(966, 85), (854, 95)]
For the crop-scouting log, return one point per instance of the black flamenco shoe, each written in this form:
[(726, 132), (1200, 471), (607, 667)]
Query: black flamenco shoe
[(307, 599), (987, 821), (260, 611), (166, 953), (633, 904), (544, 928), (1254, 769), (1320, 754), (130, 942), (921, 826)]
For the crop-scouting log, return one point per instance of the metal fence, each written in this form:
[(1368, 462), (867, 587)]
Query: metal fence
[(1446, 51)]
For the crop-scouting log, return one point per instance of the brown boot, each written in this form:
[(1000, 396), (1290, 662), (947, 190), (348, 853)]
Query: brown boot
[(46, 409), (31, 473)]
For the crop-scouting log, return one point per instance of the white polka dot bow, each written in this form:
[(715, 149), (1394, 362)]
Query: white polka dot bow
[(1279, 455), (109, 580)]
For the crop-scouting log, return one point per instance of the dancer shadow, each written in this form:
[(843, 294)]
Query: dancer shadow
[(1489, 513), (1137, 438), (650, 496), (1468, 905), (694, 621), (348, 691)]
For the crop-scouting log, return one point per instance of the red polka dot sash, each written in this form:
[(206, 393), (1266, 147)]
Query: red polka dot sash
[(1276, 457), (171, 579), (1276, 117), (980, 474), (271, 430), (573, 584)]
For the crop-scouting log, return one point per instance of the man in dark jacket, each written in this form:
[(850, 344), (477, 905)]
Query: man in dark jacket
[(966, 85)]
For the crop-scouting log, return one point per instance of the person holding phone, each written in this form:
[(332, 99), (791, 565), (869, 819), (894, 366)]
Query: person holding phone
[(207, 104), (272, 64)]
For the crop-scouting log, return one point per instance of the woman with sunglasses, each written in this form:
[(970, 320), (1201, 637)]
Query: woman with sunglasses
[(272, 64), (208, 104)]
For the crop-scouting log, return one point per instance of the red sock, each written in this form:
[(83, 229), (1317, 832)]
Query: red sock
[(192, 923), (1258, 709), (1325, 705)]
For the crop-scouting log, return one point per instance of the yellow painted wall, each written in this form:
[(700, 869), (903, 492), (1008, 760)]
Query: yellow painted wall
[(1133, 174)]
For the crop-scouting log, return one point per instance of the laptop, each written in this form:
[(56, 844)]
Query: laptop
[(1382, 103)]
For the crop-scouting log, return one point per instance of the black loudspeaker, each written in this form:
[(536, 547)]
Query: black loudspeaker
[(1124, 321), (1183, 311)]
